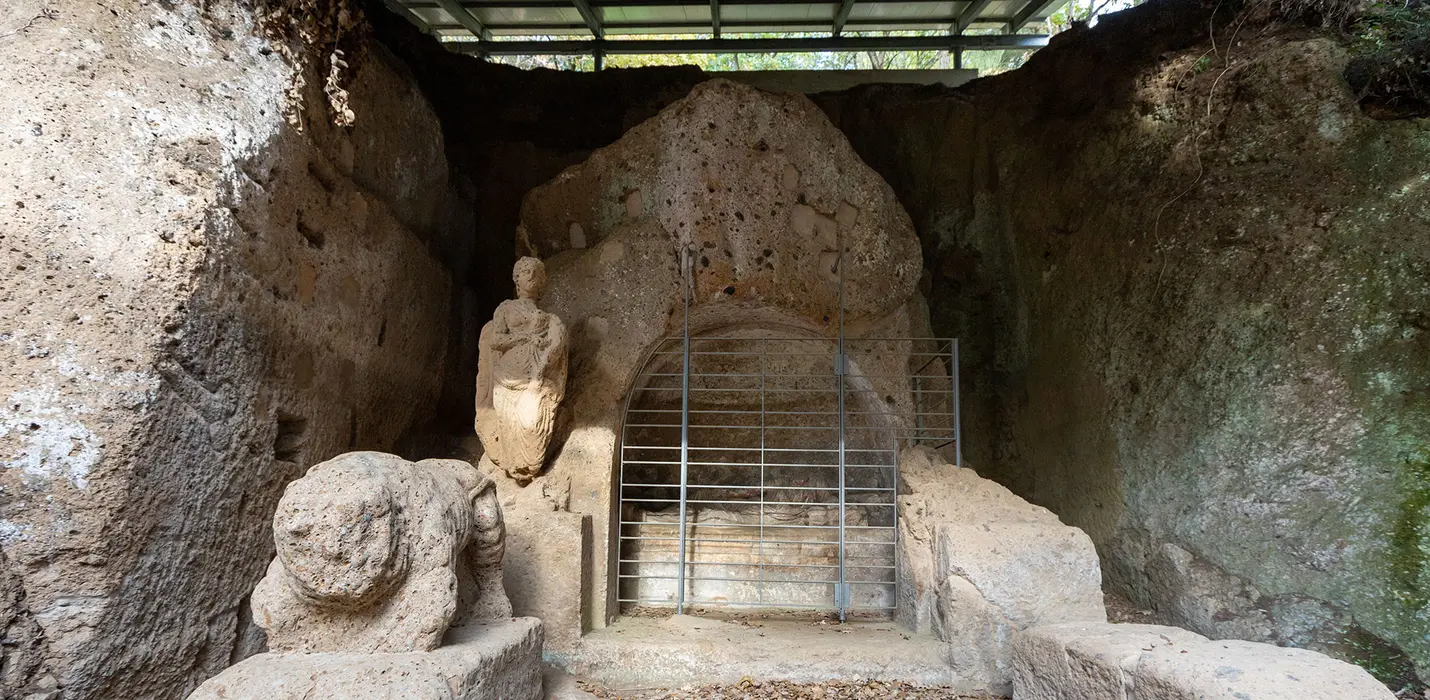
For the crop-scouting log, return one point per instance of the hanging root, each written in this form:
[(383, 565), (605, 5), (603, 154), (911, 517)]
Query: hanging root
[(311, 35)]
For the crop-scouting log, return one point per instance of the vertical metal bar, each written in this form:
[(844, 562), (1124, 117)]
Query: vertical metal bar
[(957, 422), (841, 594), (684, 438), (761, 346), (918, 411), (894, 498)]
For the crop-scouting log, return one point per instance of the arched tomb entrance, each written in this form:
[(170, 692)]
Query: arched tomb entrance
[(771, 213), (768, 468), (789, 468)]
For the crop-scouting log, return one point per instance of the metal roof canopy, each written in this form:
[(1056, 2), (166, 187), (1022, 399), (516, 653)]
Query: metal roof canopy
[(549, 27)]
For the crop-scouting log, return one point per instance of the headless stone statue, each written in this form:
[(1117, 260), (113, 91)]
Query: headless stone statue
[(521, 377), (378, 554)]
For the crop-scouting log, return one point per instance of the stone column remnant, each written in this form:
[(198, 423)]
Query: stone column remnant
[(378, 554), (521, 377)]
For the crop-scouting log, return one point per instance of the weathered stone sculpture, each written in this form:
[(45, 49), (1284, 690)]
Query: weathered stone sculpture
[(521, 377), (377, 557), (378, 554)]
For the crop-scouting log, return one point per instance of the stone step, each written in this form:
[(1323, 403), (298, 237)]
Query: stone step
[(643, 652), (1104, 661)]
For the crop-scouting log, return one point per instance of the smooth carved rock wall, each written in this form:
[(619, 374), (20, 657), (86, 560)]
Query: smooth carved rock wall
[(197, 302), (763, 187)]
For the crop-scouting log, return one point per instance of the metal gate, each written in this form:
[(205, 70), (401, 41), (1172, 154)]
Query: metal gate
[(760, 470)]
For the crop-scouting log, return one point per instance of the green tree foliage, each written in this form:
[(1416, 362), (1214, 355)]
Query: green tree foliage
[(986, 62)]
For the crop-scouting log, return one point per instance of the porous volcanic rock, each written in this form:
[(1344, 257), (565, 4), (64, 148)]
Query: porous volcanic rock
[(761, 185), (977, 563), (198, 301), (765, 191), (1150, 662)]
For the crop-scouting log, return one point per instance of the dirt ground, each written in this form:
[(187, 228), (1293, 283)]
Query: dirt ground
[(1124, 611), (771, 690)]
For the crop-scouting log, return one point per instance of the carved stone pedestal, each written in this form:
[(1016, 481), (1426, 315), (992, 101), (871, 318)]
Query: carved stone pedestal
[(479, 661)]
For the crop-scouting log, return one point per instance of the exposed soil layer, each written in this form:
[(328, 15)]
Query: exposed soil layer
[(1389, 68)]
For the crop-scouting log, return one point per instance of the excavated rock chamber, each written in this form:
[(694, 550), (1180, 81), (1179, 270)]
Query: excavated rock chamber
[(788, 242), (1190, 302), (762, 192)]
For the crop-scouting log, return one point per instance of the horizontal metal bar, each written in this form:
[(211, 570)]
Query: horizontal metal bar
[(752, 464), (755, 487), (665, 603), (767, 526), (783, 44), (741, 412), (753, 564), (755, 449), (747, 503), (638, 525), (787, 339), (736, 427), (692, 577), (745, 488), (697, 27), (706, 540)]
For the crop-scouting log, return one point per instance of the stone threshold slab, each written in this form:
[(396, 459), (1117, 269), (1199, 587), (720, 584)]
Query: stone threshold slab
[(482, 661), (641, 652)]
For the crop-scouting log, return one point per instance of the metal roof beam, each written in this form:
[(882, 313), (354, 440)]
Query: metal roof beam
[(598, 4), (972, 12), (465, 18), (408, 15), (831, 43), (1029, 11), (592, 21), (843, 16), (695, 27)]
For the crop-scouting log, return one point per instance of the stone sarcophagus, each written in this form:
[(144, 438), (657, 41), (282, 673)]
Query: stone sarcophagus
[(387, 583)]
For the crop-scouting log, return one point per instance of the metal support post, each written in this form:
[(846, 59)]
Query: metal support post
[(957, 402), (841, 370), (684, 437)]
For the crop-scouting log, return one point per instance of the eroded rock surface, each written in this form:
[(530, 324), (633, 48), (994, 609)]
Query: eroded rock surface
[(378, 554), (1083, 661), (762, 185), (198, 301), (499, 660), (977, 564), (764, 190), (1208, 327)]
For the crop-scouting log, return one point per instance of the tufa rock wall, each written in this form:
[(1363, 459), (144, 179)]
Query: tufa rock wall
[(1192, 285), (761, 186), (198, 302)]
